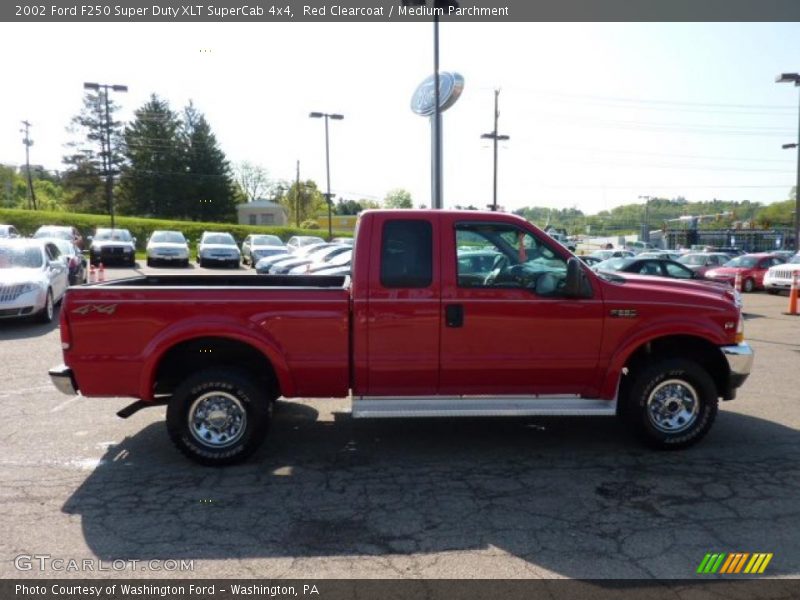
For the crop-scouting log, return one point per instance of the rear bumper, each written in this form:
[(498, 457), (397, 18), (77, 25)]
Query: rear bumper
[(64, 380), (740, 362)]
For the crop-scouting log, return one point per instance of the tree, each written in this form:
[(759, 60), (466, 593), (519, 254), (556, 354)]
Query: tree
[(347, 207), (152, 180), (87, 156), (209, 193), (398, 198), (253, 180), (302, 202)]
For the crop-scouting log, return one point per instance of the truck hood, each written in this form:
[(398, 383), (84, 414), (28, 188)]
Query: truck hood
[(663, 289)]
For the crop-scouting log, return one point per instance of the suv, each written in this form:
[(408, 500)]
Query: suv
[(112, 245)]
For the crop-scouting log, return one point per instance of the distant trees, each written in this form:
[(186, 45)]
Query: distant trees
[(253, 181), (398, 198), (301, 202)]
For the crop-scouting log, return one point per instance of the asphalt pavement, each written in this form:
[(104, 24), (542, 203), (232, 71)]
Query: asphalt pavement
[(330, 497)]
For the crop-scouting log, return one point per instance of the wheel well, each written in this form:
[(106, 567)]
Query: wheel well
[(198, 354), (701, 351)]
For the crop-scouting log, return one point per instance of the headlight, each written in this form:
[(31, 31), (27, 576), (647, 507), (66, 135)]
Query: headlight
[(28, 288), (711, 273)]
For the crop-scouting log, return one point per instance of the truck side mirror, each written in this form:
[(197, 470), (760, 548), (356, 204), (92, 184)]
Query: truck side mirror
[(576, 284)]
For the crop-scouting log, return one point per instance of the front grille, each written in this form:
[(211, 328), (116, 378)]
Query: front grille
[(782, 274), (10, 292)]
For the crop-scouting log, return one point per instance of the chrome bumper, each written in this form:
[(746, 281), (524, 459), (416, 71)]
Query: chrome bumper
[(739, 357), (63, 379)]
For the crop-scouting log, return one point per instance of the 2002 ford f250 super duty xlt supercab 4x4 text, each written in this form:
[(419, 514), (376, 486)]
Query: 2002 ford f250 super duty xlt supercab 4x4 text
[(446, 313)]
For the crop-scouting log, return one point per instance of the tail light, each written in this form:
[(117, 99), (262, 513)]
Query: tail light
[(66, 337)]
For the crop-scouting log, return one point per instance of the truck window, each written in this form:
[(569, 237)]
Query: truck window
[(407, 254), (500, 255)]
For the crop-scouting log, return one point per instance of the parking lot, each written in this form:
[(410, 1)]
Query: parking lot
[(330, 497)]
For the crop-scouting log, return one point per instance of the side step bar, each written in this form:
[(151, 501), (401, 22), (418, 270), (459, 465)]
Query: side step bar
[(382, 407)]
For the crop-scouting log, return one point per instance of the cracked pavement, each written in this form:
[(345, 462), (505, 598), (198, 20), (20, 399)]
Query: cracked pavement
[(327, 496)]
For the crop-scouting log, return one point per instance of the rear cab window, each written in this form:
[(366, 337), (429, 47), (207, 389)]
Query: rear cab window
[(406, 254)]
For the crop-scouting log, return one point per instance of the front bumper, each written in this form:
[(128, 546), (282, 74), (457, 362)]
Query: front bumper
[(740, 362), (64, 380)]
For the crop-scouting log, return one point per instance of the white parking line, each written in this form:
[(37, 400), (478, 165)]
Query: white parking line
[(65, 404)]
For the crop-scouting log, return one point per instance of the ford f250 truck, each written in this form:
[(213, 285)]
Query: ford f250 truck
[(419, 329)]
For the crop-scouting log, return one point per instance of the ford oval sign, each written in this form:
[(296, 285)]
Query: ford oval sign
[(450, 87)]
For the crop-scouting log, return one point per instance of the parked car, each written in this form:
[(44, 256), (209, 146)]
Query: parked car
[(700, 262), (638, 246), (343, 240), (731, 251), (563, 240), (8, 232), (256, 246), (543, 335), (751, 268), (264, 265), (615, 253), (341, 259), (779, 277), (33, 278), (109, 246), (590, 260), (670, 254), (218, 247), (65, 232), (299, 241), (74, 259), (658, 267), (323, 254), (169, 247)]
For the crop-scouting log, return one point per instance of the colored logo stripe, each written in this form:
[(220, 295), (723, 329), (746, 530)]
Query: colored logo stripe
[(732, 563)]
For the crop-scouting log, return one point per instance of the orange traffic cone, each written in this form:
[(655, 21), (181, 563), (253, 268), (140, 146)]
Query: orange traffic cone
[(101, 272), (92, 274), (737, 282), (793, 293)]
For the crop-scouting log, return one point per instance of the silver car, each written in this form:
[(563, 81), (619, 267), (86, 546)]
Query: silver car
[(33, 279), (218, 248), (257, 246), (167, 246)]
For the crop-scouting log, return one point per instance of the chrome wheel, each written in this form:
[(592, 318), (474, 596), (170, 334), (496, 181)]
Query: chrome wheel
[(217, 419), (673, 406)]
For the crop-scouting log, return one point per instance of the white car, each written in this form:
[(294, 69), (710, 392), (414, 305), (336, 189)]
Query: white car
[(299, 241), (33, 278), (218, 248), (779, 277), (257, 246), (169, 247)]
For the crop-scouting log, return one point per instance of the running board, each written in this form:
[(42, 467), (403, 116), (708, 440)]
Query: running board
[(382, 407)]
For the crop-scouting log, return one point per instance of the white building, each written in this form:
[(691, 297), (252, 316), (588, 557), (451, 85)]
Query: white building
[(261, 212)]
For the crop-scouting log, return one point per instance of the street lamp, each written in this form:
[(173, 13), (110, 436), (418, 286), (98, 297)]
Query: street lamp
[(795, 79), (106, 147), (646, 222), (328, 195)]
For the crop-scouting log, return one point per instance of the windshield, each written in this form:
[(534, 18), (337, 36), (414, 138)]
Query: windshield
[(53, 232), (114, 235), (168, 237), (266, 240), (795, 260), (26, 257), (746, 262), (219, 238), (65, 246)]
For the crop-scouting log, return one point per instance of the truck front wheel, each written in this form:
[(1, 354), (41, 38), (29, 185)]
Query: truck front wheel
[(672, 404), (218, 416)]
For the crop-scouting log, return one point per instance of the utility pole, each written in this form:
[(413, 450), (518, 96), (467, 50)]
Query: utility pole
[(28, 143), (495, 137), (645, 229), (297, 197)]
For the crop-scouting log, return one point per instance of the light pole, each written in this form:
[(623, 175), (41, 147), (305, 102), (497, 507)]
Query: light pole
[(495, 137), (328, 195), (107, 145), (646, 222), (794, 78)]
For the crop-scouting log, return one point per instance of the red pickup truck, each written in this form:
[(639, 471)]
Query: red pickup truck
[(446, 313)]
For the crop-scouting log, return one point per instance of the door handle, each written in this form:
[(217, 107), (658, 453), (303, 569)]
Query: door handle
[(454, 315)]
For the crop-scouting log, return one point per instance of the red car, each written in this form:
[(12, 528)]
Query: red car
[(752, 268)]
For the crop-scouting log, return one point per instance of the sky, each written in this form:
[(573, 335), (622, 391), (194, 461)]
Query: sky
[(597, 114)]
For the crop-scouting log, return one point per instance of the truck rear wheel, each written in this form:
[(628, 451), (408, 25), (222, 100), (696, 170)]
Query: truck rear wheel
[(672, 404), (218, 416)]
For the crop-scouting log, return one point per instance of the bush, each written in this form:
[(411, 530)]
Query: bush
[(309, 224), (28, 221)]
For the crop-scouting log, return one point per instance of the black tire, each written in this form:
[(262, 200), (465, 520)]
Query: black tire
[(46, 314), (201, 262), (748, 285), (235, 388), (185, 264), (671, 433), (150, 262), (773, 292)]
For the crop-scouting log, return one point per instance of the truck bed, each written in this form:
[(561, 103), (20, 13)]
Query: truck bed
[(300, 323)]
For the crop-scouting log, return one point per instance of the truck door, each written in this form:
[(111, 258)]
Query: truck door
[(403, 307), (506, 327)]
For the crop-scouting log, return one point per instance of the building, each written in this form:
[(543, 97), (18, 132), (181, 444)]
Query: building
[(261, 212)]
